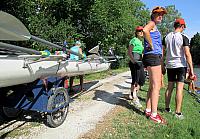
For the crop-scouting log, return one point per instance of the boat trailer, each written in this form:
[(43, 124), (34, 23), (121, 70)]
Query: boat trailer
[(43, 95)]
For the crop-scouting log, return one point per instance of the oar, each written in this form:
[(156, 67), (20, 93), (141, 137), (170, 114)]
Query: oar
[(95, 54), (95, 50), (14, 30), (18, 48)]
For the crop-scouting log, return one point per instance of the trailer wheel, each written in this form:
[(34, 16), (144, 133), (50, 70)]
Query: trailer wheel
[(58, 98), (10, 113)]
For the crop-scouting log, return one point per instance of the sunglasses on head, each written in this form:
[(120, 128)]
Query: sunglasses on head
[(159, 7), (139, 30), (159, 10)]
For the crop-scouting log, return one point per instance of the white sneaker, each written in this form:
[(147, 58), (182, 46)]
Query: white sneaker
[(130, 96), (137, 103), (181, 117)]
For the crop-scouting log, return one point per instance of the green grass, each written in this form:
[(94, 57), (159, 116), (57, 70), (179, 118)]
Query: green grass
[(101, 75), (17, 132), (132, 125)]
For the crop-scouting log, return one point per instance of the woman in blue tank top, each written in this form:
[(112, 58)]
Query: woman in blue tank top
[(152, 60)]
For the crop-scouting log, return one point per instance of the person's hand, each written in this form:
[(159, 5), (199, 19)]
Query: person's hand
[(193, 77), (133, 61), (83, 56), (163, 70), (149, 48)]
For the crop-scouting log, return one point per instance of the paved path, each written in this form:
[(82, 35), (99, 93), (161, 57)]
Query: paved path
[(85, 115)]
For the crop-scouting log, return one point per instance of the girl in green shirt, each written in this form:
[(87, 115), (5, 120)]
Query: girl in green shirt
[(135, 51)]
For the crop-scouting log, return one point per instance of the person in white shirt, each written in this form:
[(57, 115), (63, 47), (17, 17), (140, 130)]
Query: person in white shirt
[(177, 49)]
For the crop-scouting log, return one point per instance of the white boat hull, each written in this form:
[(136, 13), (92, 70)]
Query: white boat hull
[(15, 70)]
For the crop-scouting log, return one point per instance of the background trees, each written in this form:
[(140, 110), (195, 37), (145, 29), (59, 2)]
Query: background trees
[(110, 22), (168, 20), (195, 48)]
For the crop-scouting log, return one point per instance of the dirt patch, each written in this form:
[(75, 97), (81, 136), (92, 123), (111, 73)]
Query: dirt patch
[(103, 126)]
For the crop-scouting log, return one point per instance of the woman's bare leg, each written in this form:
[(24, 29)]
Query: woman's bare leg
[(155, 79)]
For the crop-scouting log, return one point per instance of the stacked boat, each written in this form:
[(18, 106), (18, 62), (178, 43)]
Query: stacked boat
[(32, 65)]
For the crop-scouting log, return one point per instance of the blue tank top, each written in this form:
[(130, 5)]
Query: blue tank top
[(157, 43), (74, 49)]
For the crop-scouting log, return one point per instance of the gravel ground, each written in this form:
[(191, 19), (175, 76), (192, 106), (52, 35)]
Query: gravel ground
[(84, 112)]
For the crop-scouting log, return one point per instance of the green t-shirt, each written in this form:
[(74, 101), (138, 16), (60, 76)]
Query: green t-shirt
[(137, 45)]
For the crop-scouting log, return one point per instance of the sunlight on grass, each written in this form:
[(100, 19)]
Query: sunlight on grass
[(131, 125), (16, 132), (101, 75)]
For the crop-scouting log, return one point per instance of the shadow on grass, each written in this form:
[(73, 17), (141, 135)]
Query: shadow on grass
[(8, 126)]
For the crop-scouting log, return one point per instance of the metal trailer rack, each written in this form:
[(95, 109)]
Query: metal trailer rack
[(43, 95)]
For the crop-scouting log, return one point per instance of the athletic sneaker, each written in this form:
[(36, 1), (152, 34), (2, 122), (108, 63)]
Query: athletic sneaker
[(157, 119), (137, 103), (179, 116), (168, 110), (147, 114), (131, 96)]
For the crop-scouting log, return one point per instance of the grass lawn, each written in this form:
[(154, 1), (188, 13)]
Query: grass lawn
[(131, 124), (100, 75)]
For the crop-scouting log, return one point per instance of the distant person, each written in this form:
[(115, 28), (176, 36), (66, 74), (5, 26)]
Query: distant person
[(177, 56), (135, 52), (152, 61), (111, 53), (65, 46), (77, 48)]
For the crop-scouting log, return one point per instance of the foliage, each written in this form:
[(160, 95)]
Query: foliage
[(195, 48), (168, 20), (110, 22), (113, 23)]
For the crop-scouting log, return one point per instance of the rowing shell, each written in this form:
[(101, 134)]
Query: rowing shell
[(25, 69)]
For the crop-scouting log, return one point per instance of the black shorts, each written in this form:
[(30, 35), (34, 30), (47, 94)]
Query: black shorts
[(176, 74), (137, 73), (151, 60)]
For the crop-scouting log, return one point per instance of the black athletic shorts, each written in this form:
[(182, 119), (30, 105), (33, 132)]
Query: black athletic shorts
[(176, 74), (137, 73), (151, 60)]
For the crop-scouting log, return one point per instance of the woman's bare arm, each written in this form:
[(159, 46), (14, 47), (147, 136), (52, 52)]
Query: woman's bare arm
[(150, 26), (130, 54), (80, 51), (189, 59)]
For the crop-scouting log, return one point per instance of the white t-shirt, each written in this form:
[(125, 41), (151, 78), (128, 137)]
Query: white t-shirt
[(175, 56)]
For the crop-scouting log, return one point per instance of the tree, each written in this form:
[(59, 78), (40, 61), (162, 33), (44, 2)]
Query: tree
[(195, 48), (110, 22), (113, 22), (167, 24)]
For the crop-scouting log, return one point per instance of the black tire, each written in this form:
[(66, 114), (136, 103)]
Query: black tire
[(10, 113), (56, 118)]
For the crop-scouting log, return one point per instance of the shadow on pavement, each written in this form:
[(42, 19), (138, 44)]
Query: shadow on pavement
[(88, 86), (117, 99), (127, 77), (122, 87)]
